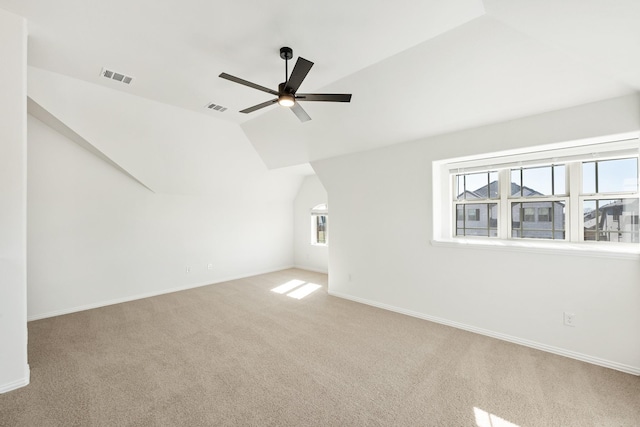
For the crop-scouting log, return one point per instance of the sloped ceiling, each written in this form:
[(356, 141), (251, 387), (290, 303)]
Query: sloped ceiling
[(416, 68), (165, 148)]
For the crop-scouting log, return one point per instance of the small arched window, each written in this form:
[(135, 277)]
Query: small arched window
[(319, 226)]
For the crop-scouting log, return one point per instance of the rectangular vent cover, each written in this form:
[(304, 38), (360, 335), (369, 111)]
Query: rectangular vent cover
[(116, 76), (217, 107)]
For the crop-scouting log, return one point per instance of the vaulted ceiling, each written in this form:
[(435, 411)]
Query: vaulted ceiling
[(416, 68)]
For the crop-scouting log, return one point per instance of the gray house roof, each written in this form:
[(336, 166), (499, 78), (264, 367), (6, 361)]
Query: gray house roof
[(492, 190)]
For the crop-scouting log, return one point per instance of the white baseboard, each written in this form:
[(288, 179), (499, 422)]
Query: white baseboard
[(147, 295), (634, 370), (13, 385), (314, 269)]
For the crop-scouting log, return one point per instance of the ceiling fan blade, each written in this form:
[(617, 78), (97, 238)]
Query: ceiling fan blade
[(298, 74), (329, 97), (300, 113), (247, 83), (259, 106)]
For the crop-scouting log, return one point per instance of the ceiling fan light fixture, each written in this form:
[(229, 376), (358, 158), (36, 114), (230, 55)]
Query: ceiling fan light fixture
[(287, 94), (286, 100)]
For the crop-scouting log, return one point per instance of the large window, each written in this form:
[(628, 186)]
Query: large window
[(319, 229), (573, 195)]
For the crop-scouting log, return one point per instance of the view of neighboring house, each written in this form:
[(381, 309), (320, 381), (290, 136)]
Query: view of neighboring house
[(535, 219), (608, 220), (611, 220)]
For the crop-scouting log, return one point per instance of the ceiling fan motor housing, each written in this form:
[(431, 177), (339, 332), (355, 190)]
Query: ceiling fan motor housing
[(282, 89), (286, 53)]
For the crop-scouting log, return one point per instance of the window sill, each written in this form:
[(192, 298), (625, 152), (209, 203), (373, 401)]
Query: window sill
[(553, 248), (320, 244)]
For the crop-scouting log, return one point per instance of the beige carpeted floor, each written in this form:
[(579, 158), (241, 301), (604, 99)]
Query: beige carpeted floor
[(237, 353)]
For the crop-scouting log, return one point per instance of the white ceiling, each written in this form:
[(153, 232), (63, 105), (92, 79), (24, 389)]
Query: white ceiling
[(415, 67)]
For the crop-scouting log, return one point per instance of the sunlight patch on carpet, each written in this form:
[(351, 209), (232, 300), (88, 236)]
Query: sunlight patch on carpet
[(304, 291), (286, 287), (485, 419)]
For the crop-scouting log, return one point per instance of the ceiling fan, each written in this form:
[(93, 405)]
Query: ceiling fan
[(287, 95)]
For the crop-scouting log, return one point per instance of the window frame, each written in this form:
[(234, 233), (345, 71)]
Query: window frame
[(480, 201), (552, 198), (572, 155), (605, 196), (465, 203)]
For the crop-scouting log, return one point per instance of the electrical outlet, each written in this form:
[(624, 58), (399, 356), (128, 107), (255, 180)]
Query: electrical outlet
[(569, 319), (188, 269), (209, 266)]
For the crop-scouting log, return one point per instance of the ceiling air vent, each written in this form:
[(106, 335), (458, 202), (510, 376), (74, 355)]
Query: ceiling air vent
[(116, 76), (217, 107)]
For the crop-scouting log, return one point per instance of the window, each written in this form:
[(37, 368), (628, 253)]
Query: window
[(537, 196), (544, 214), (538, 181), (319, 231), (548, 224), (610, 200), (473, 218), (473, 215), (571, 193), (481, 219), (528, 214)]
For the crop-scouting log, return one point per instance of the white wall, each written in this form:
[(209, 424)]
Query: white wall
[(380, 252), (127, 193), (97, 236), (308, 256), (131, 192), (14, 370)]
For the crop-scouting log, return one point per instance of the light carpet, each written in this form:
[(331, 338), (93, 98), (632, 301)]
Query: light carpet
[(240, 354)]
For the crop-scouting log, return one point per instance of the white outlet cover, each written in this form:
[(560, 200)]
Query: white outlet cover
[(569, 319)]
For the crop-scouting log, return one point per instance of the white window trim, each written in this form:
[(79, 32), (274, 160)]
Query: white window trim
[(601, 148)]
